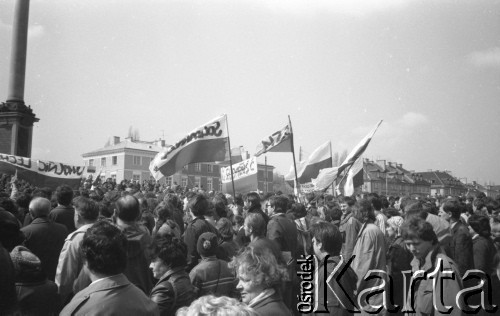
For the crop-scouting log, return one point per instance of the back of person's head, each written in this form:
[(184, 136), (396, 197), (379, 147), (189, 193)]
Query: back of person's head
[(173, 199), (415, 209), (480, 224), (164, 211), (454, 207), (23, 200), (172, 251), (363, 211), (329, 236), (279, 202), (416, 227), (9, 205), (238, 199), (256, 222), (43, 192), (298, 210), (210, 305), (104, 249), (225, 228), (10, 231), (87, 209), (127, 208), (39, 207), (376, 202), (219, 206), (254, 199), (64, 195), (198, 204)]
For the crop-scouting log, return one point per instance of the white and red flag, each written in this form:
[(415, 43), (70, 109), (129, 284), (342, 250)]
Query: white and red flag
[(207, 143), (320, 158)]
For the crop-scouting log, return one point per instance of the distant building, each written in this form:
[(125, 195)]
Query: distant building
[(390, 178), (443, 183), (130, 159)]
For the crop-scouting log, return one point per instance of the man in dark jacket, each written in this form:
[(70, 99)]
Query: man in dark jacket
[(64, 213), (461, 243), (197, 206), (339, 300), (283, 232), (43, 237), (174, 289), (138, 242)]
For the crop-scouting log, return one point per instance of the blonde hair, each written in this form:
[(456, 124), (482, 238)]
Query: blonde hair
[(261, 266), (210, 305)]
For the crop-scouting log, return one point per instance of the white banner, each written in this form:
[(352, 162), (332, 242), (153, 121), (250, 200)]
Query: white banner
[(240, 170), (307, 187)]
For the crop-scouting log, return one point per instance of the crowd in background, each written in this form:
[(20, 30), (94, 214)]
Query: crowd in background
[(149, 249)]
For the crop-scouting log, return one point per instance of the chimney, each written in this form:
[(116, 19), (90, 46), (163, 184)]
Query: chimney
[(400, 165), (116, 140), (382, 164)]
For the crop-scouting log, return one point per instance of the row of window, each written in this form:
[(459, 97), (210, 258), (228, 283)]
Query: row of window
[(197, 182), (136, 160)]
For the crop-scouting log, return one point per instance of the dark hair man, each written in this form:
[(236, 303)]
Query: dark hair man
[(327, 242), (104, 250), (64, 213), (461, 240), (197, 207), (44, 237)]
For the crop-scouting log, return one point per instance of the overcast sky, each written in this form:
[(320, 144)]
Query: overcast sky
[(429, 69)]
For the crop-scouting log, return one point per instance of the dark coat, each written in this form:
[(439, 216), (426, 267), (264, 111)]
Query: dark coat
[(272, 306), (193, 231), (111, 296), (484, 254), (343, 291), (461, 248), (213, 276), (283, 232), (45, 239), (137, 271), (34, 298), (64, 215), (168, 299)]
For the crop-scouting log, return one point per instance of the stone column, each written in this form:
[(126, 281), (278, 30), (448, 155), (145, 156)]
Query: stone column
[(18, 52)]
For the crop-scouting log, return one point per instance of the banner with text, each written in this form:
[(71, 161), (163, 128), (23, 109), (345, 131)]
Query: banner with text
[(244, 175), (42, 173)]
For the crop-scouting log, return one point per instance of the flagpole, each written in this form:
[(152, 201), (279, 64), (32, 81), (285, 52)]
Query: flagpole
[(230, 158), (293, 154), (265, 170)]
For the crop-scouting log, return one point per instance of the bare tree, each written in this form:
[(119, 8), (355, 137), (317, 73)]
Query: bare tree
[(133, 133)]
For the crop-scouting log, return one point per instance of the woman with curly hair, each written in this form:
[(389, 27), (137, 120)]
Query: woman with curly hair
[(260, 276), (216, 306)]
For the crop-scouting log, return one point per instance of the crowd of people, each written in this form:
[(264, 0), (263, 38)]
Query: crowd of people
[(148, 249)]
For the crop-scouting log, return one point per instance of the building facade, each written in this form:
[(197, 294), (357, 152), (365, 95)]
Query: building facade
[(443, 183), (390, 178), (130, 159)]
